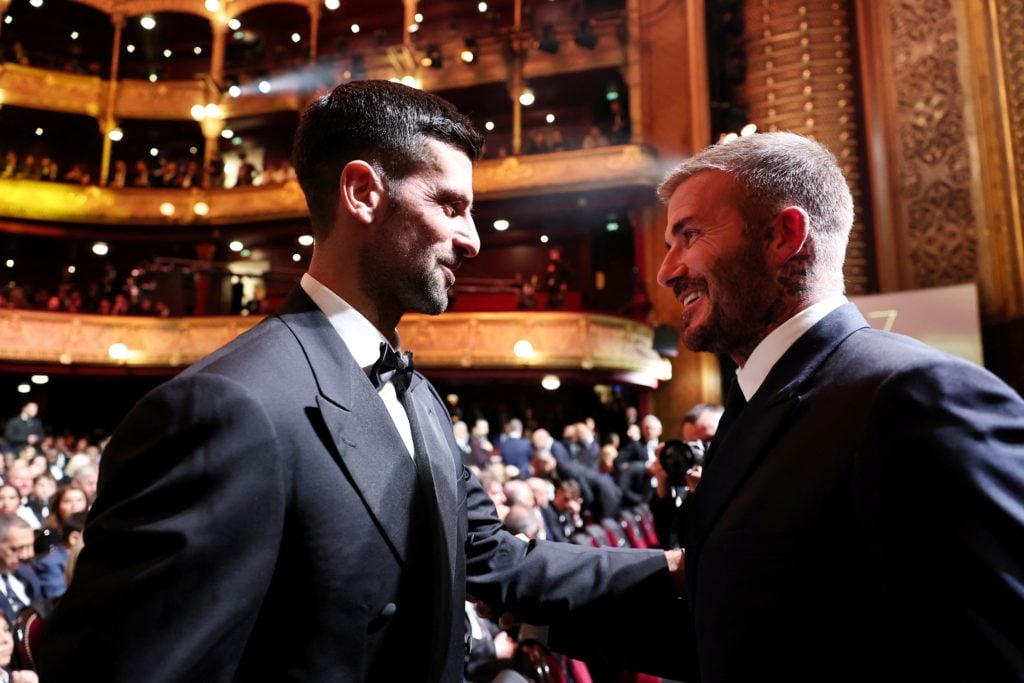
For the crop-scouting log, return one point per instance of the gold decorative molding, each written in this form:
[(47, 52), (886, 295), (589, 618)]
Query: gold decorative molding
[(800, 77), (26, 86), (561, 341), (602, 167)]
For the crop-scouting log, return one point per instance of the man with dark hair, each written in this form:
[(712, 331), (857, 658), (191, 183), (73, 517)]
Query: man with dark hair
[(18, 581), (701, 422), (861, 511), (24, 429), (294, 506)]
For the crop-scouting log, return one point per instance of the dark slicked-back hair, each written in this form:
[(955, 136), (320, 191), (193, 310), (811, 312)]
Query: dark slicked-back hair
[(382, 123)]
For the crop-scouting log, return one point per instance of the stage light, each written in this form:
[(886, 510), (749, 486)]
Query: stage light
[(470, 51), (147, 22), (332, 4), (100, 248), (167, 209), (551, 382), (236, 246), (489, 125), (234, 24), (264, 87), (234, 91), (306, 240), (501, 225), (526, 98), (212, 5), (523, 348), (115, 135)]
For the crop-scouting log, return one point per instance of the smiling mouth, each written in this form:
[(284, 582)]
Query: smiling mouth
[(691, 297)]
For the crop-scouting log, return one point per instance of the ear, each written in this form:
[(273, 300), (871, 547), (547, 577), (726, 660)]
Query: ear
[(790, 230), (360, 192)]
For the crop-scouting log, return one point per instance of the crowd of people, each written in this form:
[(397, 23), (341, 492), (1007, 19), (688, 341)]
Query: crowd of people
[(110, 294)]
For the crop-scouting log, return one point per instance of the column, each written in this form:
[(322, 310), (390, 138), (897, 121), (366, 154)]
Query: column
[(211, 127), (314, 29), (219, 28), (108, 122)]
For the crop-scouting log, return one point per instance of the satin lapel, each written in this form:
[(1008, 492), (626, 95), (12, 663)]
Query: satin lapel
[(754, 431), (359, 432), (442, 462)]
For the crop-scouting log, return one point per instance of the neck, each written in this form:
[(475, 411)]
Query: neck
[(341, 276), (786, 306)]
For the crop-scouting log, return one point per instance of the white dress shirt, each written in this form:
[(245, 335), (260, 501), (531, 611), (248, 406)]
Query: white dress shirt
[(363, 341), (766, 354)]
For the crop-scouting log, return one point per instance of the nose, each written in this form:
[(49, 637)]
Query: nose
[(466, 238), (672, 268)]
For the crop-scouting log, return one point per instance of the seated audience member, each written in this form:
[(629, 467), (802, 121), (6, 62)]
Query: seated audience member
[(51, 567), (38, 502), (68, 500), (10, 500), (86, 478), (562, 517), (460, 430), (523, 520), (542, 440), (594, 138), (701, 422), (515, 450), (18, 581), (8, 671), (481, 448)]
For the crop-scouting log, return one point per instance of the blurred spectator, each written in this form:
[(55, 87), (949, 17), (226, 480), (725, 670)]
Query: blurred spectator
[(24, 429), (119, 176), (594, 138)]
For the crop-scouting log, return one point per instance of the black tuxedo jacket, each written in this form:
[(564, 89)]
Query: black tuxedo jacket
[(28, 577), (259, 518)]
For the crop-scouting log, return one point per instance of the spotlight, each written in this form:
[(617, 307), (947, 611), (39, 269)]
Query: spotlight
[(548, 41), (585, 35), (526, 98), (148, 22), (470, 51)]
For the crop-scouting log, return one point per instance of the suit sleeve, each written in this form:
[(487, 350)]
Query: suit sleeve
[(585, 594), (180, 545), (939, 490)]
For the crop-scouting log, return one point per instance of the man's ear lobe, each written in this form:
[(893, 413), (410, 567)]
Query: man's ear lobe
[(790, 231), (360, 191)]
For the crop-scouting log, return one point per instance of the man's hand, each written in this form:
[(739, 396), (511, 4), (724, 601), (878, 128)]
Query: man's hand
[(677, 568)]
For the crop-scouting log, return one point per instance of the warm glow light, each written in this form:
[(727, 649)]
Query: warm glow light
[(501, 225), (526, 98), (74, 35), (39, 379), (39, 131), (543, 239), (9, 263), (129, 48), (212, 5), (167, 209), (198, 112), (116, 135), (71, 270), (227, 133), (167, 54), (117, 351), (36, 3), (296, 37), (550, 118), (305, 240), (729, 137), (482, 6), (418, 18), (154, 152), (413, 28), (332, 4), (100, 248), (8, 19), (200, 208), (412, 82), (193, 149), (264, 87), (296, 257), (234, 24), (148, 22), (235, 245), (551, 382), (24, 388), (234, 91), (213, 111), (523, 348), (355, 28), (489, 125), (748, 130), (152, 78), (197, 50), (467, 56)]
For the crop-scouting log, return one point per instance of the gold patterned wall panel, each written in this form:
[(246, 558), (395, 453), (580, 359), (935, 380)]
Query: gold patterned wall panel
[(801, 78)]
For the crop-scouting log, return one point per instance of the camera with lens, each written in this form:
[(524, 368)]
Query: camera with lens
[(678, 457)]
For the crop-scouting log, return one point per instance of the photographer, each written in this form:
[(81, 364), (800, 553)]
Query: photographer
[(677, 470)]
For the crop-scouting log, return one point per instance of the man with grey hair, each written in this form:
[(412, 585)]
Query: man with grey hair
[(861, 512)]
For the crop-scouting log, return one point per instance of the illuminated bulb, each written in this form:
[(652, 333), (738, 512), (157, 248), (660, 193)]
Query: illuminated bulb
[(264, 87), (332, 4), (551, 382), (543, 239), (39, 131), (152, 78), (200, 208), (167, 54), (234, 24), (39, 379), (523, 348), (227, 133), (193, 150), (550, 118), (296, 37), (730, 137), (8, 20), (100, 248), (154, 152), (167, 209), (129, 48), (482, 7), (36, 3), (418, 18), (117, 351), (296, 257), (148, 22), (413, 28), (116, 135), (9, 263), (213, 111), (236, 246), (467, 56), (305, 240), (234, 91), (212, 5), (24, 388), (501, 225), (198, 112), (74, 35), (197, 50), (412, 82), (71, 270), (748, 130), (489, 125), (355, 28), (526, 98)]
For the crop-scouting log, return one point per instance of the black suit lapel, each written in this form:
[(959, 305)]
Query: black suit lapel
[(754, 430), (358, 430)]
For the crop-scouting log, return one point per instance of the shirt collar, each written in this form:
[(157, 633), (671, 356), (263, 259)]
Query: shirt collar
[(360, 336), (766, 354)]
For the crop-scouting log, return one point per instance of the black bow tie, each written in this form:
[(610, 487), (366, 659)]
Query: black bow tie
[(391, 367)]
